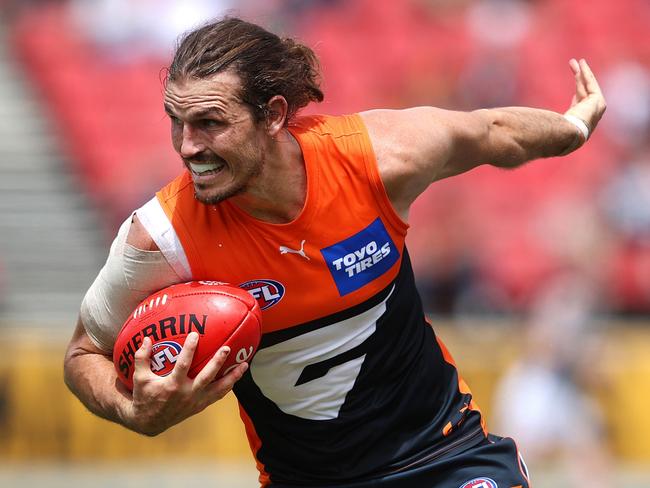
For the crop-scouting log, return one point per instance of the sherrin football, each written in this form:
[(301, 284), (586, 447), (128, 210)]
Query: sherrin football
[(221, 313)]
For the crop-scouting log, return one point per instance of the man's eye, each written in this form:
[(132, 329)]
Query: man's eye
[(209, 123), (175, 120)]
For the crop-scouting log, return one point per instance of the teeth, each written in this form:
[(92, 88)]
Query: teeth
[(203, 168)]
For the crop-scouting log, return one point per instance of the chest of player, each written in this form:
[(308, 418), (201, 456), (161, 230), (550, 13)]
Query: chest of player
[(303, 273)]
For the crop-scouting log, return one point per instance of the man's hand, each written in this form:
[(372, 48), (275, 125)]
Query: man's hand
[(161, 402), (588, 103)]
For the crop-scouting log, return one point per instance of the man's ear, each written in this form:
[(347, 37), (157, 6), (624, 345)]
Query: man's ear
[(276, 114)]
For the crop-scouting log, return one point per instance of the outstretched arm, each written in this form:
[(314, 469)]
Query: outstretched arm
[(418, 146)]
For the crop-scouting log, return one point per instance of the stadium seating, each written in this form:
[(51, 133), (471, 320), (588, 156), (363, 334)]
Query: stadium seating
[(109, 114), (373, 54)]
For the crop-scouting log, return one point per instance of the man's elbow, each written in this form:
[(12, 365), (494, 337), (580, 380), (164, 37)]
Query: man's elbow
[(78, 348), (69, 368)]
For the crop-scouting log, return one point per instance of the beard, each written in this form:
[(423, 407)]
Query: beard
[(210, 194), (203, 194)]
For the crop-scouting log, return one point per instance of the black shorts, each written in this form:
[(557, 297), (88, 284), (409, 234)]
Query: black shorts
[(493, 462)]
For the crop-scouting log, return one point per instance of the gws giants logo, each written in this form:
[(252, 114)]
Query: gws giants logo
[(266, 292), (480, 483), (163, 357)]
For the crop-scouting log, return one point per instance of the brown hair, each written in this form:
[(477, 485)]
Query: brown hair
[(266, 64)]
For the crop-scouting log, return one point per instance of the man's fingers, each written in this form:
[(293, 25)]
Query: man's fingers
[(581, 89), (211, 368), (142, 357), (218, 389), (588, 103), (142, 360), (184, 358), (590, 82)]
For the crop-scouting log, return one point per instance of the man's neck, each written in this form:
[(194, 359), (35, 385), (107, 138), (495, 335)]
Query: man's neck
[(278, 194)]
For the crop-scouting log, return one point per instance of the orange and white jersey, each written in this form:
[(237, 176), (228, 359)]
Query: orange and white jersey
[(349, 382)]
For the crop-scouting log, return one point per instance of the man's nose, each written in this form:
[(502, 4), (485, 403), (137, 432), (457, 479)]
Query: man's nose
[(191, 144)]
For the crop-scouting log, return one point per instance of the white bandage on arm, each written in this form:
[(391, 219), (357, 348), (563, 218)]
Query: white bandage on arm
[(127, 278)]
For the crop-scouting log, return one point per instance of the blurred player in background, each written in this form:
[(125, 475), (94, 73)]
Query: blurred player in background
[(350, 386), (563, 424)]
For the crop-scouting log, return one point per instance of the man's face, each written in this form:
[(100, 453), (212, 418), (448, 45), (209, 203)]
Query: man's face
[(215, 134)]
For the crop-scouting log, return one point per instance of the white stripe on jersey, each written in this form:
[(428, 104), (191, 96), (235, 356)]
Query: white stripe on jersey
[(276, 369), (155, 221)]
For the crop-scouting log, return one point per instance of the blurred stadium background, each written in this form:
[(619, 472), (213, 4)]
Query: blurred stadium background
[(538, 279)]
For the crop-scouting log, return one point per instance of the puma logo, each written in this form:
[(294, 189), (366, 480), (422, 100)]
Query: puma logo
[(288, 250)]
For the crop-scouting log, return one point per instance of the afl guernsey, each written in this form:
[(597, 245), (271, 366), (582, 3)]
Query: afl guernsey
[(349, 382)]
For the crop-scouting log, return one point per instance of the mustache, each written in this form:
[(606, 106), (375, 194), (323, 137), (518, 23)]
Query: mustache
[(207, 157)]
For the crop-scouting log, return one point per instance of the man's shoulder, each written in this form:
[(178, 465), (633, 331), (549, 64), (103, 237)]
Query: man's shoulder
[(138, 236), (327, 124)]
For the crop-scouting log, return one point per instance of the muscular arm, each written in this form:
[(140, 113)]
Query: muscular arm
[(88, 370), (90, 375), (418, 146), (156, 403)]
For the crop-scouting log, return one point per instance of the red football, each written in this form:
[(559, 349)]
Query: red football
[(222, 314)]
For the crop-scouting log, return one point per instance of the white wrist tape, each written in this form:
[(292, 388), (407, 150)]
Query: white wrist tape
[(580, 124)]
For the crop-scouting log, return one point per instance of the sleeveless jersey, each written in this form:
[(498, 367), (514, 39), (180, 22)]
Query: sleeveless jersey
[(349, 382)]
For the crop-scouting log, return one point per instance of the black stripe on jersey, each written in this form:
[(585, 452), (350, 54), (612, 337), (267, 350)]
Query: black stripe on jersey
[(394, 415), (272, 338)]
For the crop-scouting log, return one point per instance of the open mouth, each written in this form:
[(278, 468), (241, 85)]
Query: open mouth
[(206, 169)]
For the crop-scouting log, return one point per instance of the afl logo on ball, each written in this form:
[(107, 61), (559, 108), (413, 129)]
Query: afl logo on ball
[(266, 292), (163, 357), (480, 483)]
